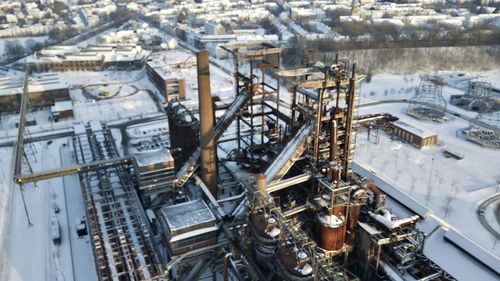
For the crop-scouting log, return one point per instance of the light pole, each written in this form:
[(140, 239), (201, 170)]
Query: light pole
[(430, 174), (396, 148)]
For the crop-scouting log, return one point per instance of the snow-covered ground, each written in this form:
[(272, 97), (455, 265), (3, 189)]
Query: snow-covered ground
[(116, 108), (30, 253), (451, 188)]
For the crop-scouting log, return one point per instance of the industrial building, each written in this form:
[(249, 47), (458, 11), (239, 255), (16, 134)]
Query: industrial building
[(61, 110), (167, 78), (44, 90), (89, 58), (417, 137)]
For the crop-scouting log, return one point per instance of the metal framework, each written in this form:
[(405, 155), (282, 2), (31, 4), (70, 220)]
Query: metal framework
[(428, 102), (252, 63), (485, 130), (119, 231), (477, 98)]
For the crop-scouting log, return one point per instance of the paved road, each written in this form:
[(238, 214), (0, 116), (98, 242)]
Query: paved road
[(480, 213)]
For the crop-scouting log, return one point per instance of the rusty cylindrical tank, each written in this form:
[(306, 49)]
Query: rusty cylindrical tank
[(330, 231)]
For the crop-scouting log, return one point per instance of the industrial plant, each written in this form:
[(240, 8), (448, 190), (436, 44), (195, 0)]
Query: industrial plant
[(258, 188)]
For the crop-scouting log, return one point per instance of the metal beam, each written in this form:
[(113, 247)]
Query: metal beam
[(22, 122), (72, 170), (298, 72), (288, 182), (210, 197), (317, 84)]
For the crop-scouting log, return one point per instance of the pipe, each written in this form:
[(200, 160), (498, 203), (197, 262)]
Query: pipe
[(226, 266), (262, 184), (333, 140), (376, 194), (207, 142)]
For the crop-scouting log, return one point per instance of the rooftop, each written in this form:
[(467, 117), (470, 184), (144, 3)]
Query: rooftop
[(37, 83), (416, 131), (187, 214), (151, 158)]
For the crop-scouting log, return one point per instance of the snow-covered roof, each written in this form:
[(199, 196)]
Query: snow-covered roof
[(37, 83), (151, 158), (103, 52), (188, 214), (415, 131), (169, 64), (62, 106)]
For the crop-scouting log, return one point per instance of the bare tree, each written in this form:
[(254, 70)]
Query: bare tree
[(33, 45), (428, 194), (13, 49)]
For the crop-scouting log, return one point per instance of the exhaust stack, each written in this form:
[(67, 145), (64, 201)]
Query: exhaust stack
[(207, 142)]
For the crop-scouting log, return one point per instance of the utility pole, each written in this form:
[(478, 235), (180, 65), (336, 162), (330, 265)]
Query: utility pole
[(429, 187)]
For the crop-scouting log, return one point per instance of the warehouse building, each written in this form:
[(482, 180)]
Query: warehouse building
[(417, 137), (43, 89), (90, 58), (62, 110)]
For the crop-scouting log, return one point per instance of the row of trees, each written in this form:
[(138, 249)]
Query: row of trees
[(61, 34), (390, 36), (14, 48)]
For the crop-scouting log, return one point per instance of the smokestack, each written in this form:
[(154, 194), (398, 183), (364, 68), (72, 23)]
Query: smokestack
[(207, 142)]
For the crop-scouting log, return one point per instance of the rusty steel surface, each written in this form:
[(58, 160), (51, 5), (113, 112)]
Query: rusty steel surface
[(207, 142)]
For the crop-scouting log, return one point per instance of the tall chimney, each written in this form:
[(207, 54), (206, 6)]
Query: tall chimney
[(207, 142)]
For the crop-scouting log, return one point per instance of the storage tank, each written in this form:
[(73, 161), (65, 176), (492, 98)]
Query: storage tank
[(266, 233), (330, 231), (294, 264), (183, 128)]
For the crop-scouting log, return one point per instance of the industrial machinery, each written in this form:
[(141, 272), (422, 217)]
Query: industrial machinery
[(295, 210), (479, 97)]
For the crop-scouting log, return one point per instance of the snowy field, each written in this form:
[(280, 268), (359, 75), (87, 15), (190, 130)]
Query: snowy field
[(451, 188), (47, 203)]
